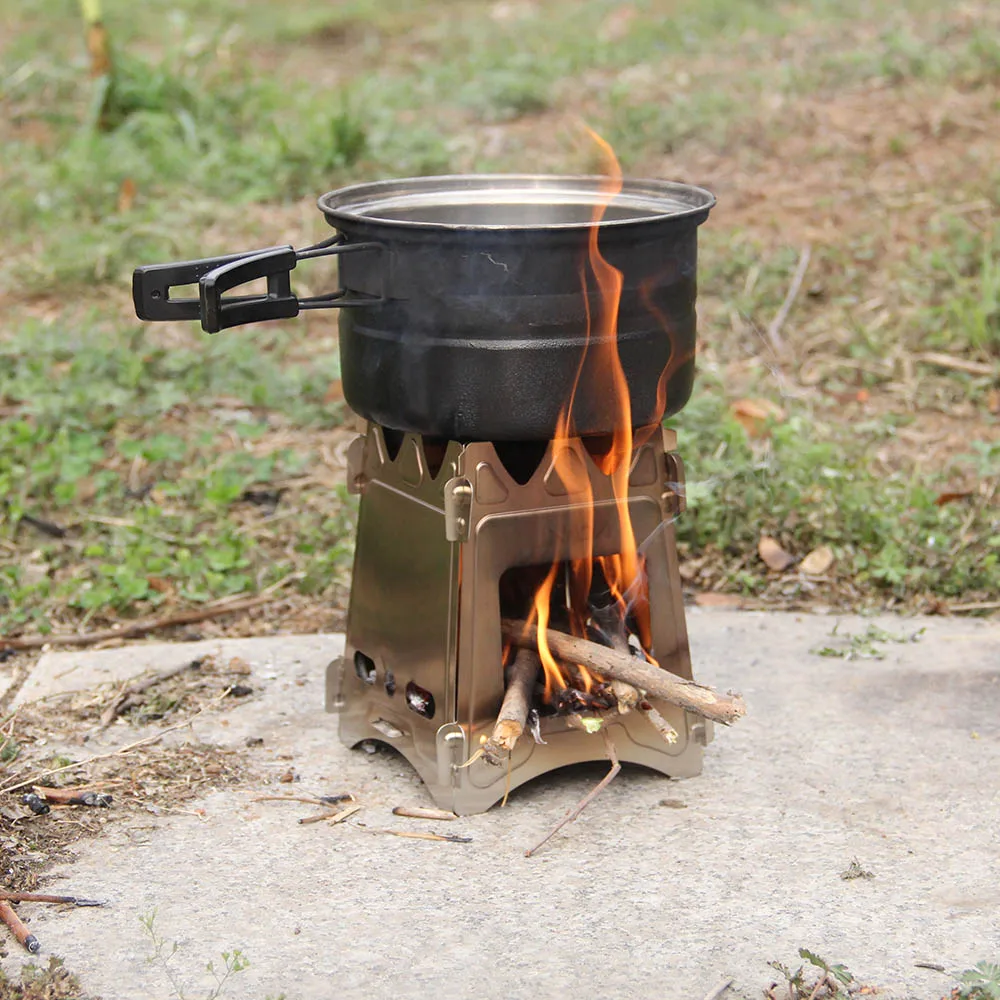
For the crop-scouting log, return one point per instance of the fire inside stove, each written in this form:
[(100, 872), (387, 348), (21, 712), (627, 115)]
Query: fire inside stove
[(574, 598)]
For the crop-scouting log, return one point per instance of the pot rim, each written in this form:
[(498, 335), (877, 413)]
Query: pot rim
[(651, 200)]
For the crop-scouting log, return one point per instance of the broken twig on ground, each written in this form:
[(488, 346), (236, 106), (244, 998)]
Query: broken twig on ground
[(587, 799), (451, 838), (719, 990), (774, 327), (422, 812), (513, 713), (73, 796), (44, 897), (957, 364), (334, 817), (314, 800), (655, 681), (13, 921)]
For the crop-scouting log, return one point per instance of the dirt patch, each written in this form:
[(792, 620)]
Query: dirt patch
[(157, 778)]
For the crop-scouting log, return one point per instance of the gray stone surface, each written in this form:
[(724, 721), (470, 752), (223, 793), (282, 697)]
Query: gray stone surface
[(895, 762)]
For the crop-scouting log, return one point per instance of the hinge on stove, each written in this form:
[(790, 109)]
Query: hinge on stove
[(356, 480), (457, 509), (673, 499)]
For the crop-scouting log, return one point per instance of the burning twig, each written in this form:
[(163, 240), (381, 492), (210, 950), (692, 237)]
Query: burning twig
[(451, 838), (13, 921), (513, 714), (587, 799), (655, 681), (334, 817), (421, 812)]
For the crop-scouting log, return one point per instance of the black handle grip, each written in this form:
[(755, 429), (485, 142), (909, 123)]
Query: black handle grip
[(151, 285), (217, 275), (275, 264)]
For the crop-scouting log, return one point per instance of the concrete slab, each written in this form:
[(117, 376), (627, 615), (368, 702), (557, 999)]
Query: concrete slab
[(895, 762), (83, 669)]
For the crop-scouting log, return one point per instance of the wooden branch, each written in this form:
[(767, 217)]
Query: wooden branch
[(137, 629), (13, 921), (660, 724), (655, 681), (44, 897), (957, 364), (422, 812), (513, 714)]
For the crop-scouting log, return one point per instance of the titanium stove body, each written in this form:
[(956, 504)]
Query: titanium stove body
[(423, 669)]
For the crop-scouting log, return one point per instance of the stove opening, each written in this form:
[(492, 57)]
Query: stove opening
[(582, 604)]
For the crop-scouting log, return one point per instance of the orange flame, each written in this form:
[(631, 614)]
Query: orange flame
[(622, 570)]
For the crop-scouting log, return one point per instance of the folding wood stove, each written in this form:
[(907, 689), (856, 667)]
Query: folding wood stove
[(423, 669)]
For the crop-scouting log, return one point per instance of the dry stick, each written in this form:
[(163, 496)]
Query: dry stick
[(333, 817), (774, 328), (513, 714), (976, 606), (660, 724), (655, 681), (120, 752), (324, 800), (957, 364), (13, 921), (587, 799), (43, 897), (421, 812), (73, 796), (451, 838), (137, 629), (719, 990)]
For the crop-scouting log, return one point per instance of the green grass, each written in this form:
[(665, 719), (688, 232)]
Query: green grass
[(135, 452), (221, 122)]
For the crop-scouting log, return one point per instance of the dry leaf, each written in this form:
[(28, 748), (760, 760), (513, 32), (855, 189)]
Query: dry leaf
[(818, 561), (944, 498), (335, 392), (160, 585), (754, 414), (238, 666), (774, 556), (993, 401), (710, 599), (126, 195)]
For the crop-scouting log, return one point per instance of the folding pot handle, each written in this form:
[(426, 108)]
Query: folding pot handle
[(151, 285), (215, 276)]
